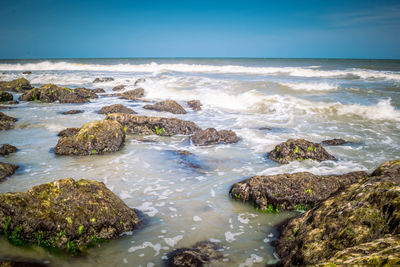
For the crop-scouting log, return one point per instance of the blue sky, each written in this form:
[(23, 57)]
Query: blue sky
[(312, 29)]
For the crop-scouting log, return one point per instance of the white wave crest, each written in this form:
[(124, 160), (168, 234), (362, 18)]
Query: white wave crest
[(311, 86)]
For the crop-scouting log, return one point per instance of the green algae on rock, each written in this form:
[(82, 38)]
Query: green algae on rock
[(53, 93), (6, 170), (291, 191), (95, 137), (364, 218), (142, 125), (298, 149), (65, 214), (6, 122), (211, 136), (18, 85)]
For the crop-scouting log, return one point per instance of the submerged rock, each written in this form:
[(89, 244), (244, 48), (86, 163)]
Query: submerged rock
[(188, 159), (211, 136), (73, 111), (6, 149), (69, 132), (5, 96), (168, 106), (18, 85), (6, 170), (21, 263), (102, 80), (201, 254), (301, 190), (119, 88), (142, 125), (116, 108), (85, 93), (133, 94), (99, 90), (27, 72), (65, 214), (6, 122), (298, 149), (53, 93), (140, 80), (360, 224), (334, 142), (95, 137), (194, 104)]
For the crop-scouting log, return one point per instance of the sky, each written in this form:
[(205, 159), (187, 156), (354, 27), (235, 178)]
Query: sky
[(264, 29)]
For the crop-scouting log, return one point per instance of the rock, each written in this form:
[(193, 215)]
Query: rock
[(96, 137), (85, 93), (6, 170), (99, 90), (133, 94), (211, 136), (194, 104), (116, 108), (6, 122), (69, 132), (27, 72), (301, 190), (298, 149), (142, 125), (168, 106), (201, 254), (102, 80), (5, 96), (53, 93), (187, 159), (65, 214), (353, 225), (13, 102), (21, 263), (119, 88), (140, 80), (334, 142), (73, 111), (18, 85), (6, 149)]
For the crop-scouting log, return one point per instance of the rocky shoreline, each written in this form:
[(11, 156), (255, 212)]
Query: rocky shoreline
[(346, 219)]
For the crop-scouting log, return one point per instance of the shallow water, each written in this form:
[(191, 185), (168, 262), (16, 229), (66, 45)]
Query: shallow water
[(357, 100)]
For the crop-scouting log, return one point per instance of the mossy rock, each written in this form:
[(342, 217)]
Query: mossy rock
[(68, 132), (65, 214), (96, 137), (6, 149), (6, 122), (358, 216), (18, 85), (201, 254), (133, 94), (53, 93), (6, 170), (298, 149), (85, 93), (168, 106), (116, 108), (301, 190), (211, 136), (5, 97), (194, 104)]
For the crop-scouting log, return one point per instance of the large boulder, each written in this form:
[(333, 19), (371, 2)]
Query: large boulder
[(53, 93), (103, 79), (211, 136), (85, 93), (133, 94), (201, 254), (65, 214), (6, 122), (194, 104), (6, 149), (168, 106), (116, 108), (6, 170), (5, 97), (95, 137), (301, 190), (142, 125), (359, 225), (18, 85), (298, 149), (334, 142)]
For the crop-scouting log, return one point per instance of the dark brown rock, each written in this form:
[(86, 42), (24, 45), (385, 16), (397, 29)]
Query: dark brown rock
[(334, 142), (53, 93), (65, 214), (6, 122), (140, 80), (194, 104), (6, 170), (211, 136), (27, 72), (73, 111), (5, 96), (6, 149), (116, 108), (21, 263), (18, 85), (201, 254), (133, 94), (142, 125), (298, 149), (69, 132), (168, 106), (102, 80), (299, 190), (99, 90), (357, 226), (85, 93), (96, 137), (119, 88)]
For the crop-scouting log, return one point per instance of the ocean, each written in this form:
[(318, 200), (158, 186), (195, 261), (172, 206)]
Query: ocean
[(265, 101)]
